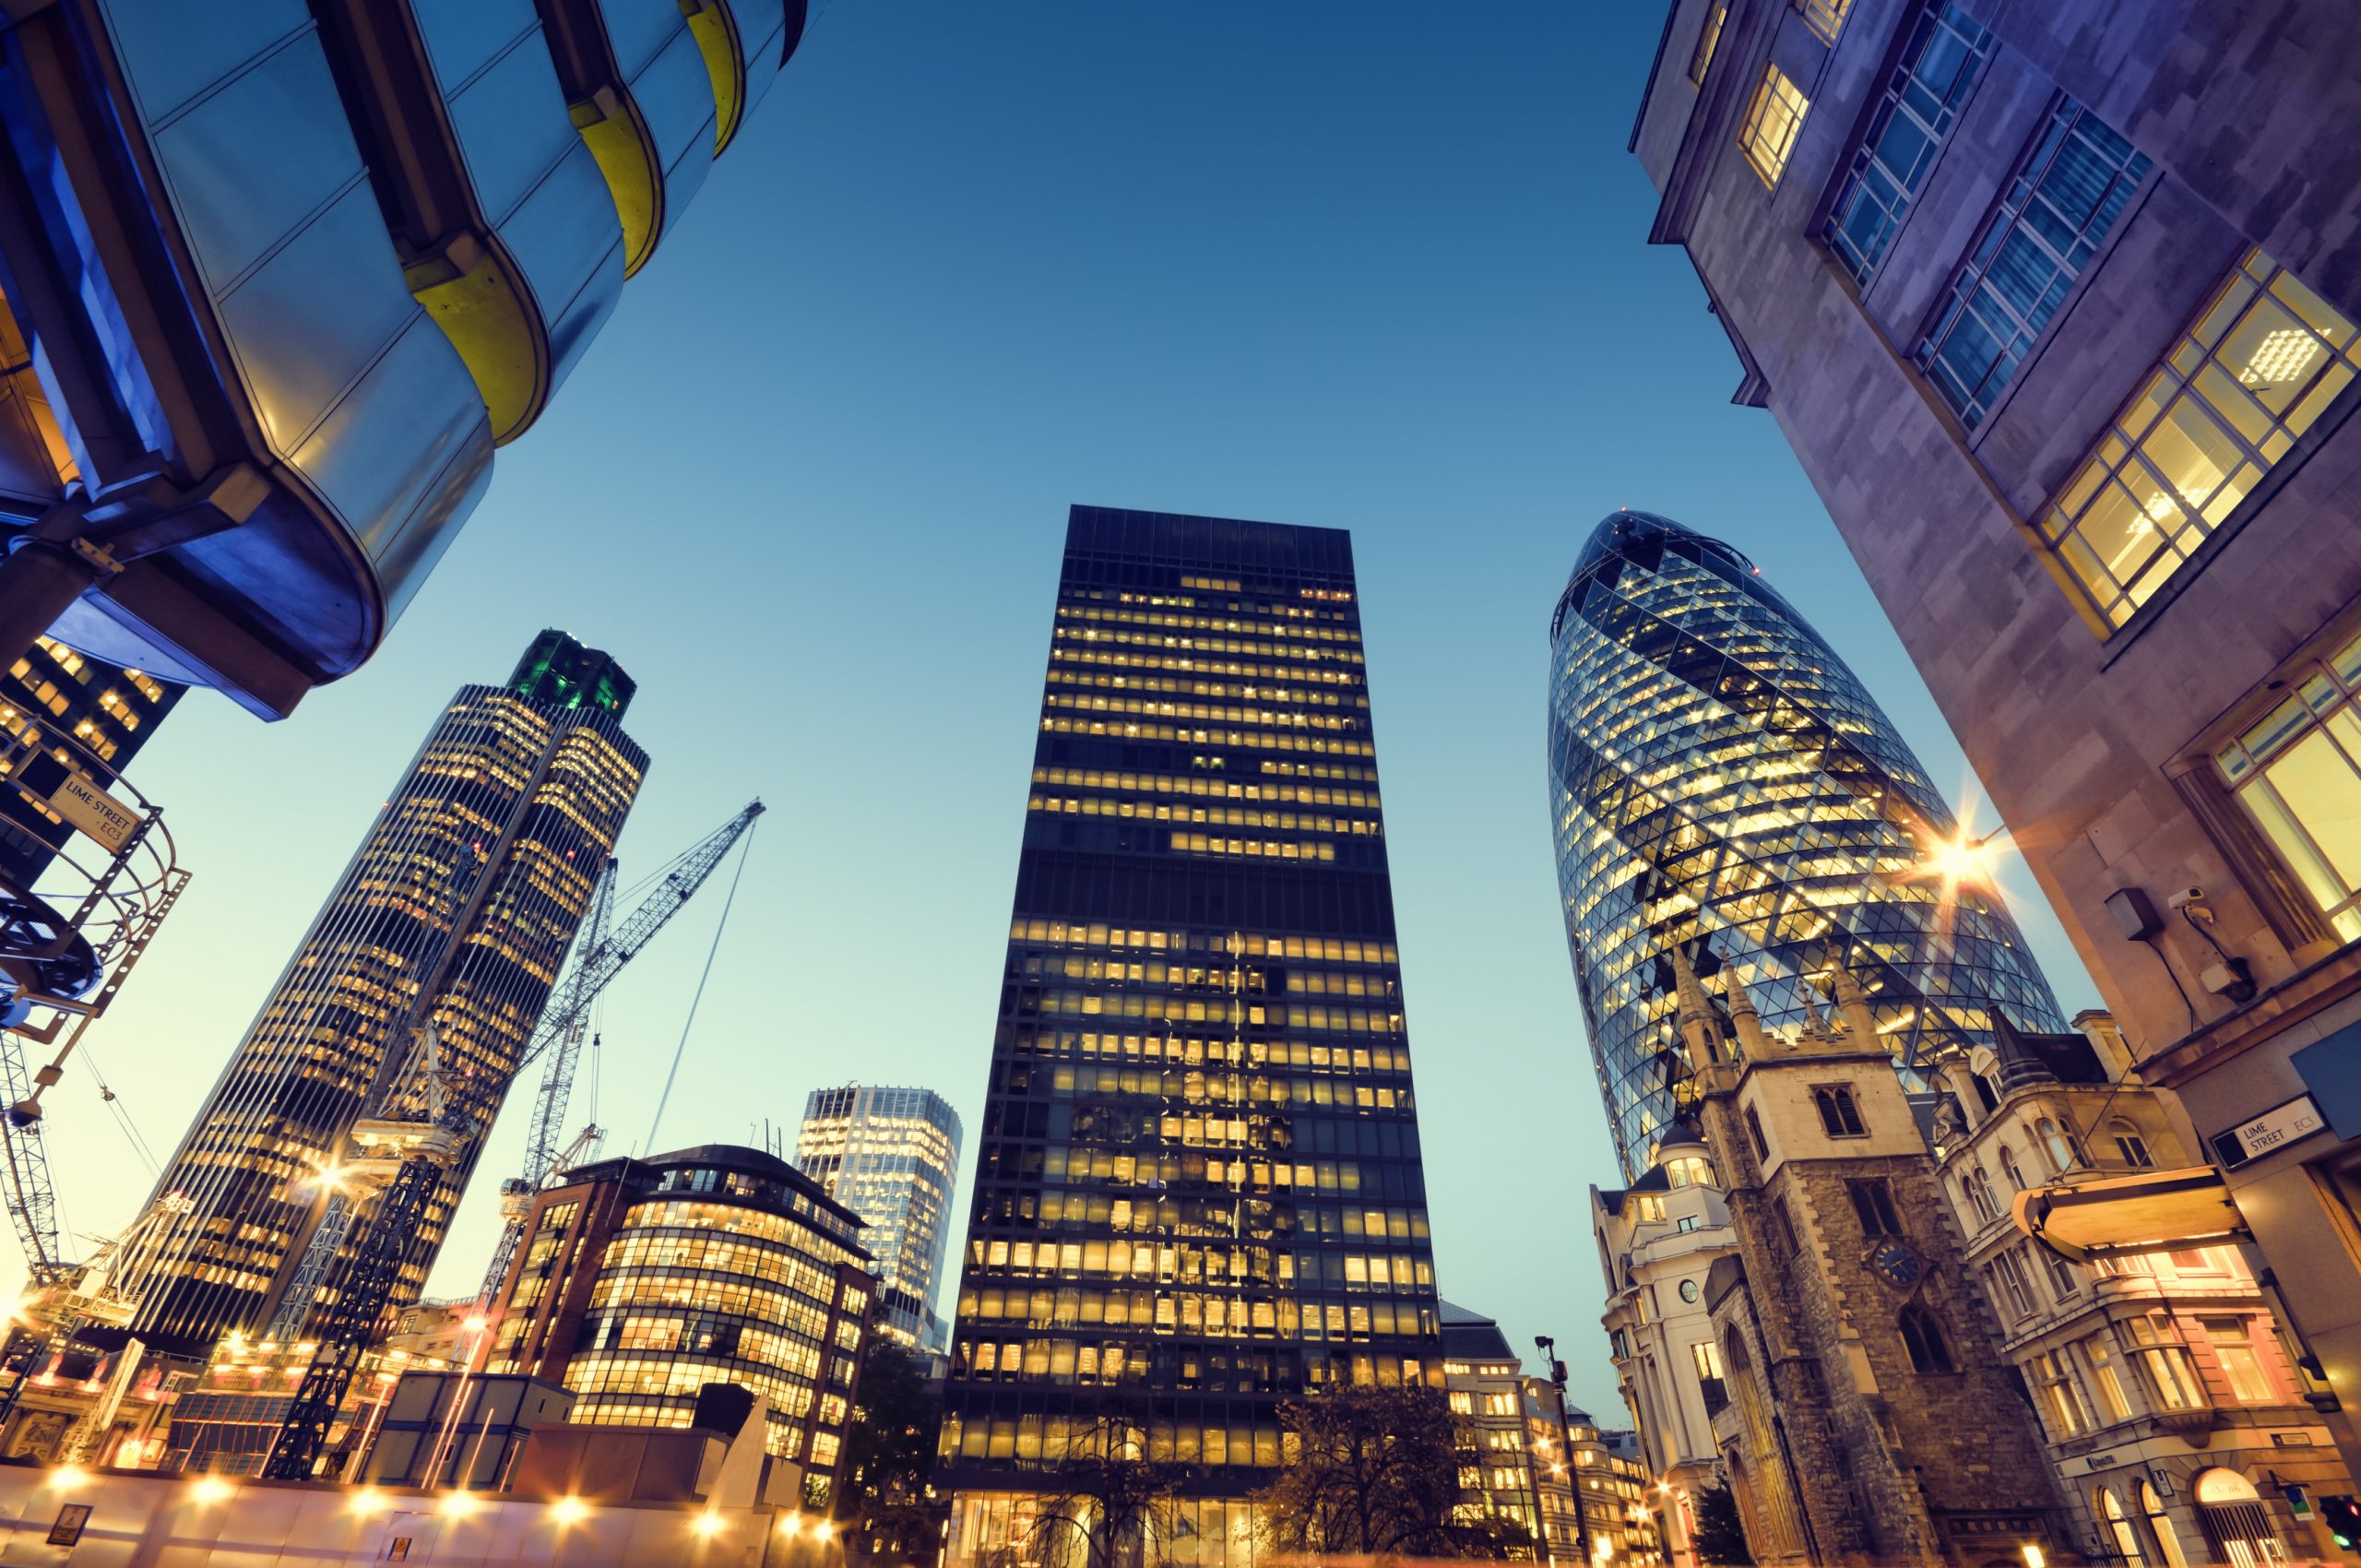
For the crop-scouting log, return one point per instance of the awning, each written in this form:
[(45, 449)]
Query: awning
[(2148, 1211)]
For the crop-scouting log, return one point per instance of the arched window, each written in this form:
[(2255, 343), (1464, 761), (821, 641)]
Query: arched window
[(1979, 1195), (2057, 1144), (1922, 1337), (1689, 1170), (1984, 1092), (2009, 1169), (2120, 1527), (2237, 1526), (2160, 1527), (2130, 1145)]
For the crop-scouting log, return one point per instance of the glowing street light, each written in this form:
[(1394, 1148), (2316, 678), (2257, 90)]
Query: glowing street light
[(569, 1511), (708, 1525), (210, 1490)]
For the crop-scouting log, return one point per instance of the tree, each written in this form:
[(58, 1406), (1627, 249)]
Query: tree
[(1375, 1471), (1721, 1534), (882, 1504), (1105, 1494)]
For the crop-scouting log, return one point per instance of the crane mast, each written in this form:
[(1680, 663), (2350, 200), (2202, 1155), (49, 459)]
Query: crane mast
[(430, 1141)]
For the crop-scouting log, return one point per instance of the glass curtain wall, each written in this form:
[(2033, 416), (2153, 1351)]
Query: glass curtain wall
[(1718, 778)]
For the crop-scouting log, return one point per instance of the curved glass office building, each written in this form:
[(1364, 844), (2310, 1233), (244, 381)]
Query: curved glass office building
[(1718, 778)]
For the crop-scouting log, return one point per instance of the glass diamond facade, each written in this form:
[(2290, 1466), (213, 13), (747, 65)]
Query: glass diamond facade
[(1718, 778)]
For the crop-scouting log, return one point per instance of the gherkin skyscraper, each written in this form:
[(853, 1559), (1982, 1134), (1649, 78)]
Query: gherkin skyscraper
[(1720, 780)]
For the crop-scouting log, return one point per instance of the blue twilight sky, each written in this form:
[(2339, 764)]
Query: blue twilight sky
[(1354, 263)]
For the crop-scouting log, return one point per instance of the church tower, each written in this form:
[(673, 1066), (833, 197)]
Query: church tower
[(1869, 1416)]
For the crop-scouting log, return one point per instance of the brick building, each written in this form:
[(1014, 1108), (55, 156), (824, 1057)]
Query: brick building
[(1870, 1417), (2055, 302)]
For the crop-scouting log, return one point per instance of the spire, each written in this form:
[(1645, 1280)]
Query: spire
[(1750, 1038), (1695, 1019), (1815, 1027), (2016, 1066), (1853, 1006)]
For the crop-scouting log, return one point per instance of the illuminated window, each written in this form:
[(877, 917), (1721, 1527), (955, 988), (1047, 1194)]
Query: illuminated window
[(1938, 63), (1922, 1338), (2249, 1382), (1826, 17), (1838, 1114), (1708, 1357), (1772, 120), (2262, 360), (2105, 1372), (2166, 1361), (2126, 1539), (2064, 198), (2297, 773), (2061, 1394), (1689, 1170), (1707, 36)]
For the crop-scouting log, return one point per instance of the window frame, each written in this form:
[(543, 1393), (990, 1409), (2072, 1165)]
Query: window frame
[(1838, 1098), (2317, 692), (1709, 40), (1753, 146), (2062, 122), (1932, 18), (2191, 373)]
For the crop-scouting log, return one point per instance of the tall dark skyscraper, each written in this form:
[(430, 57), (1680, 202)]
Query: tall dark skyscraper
[(1717, 774), (1198, 1190), (458, 909)]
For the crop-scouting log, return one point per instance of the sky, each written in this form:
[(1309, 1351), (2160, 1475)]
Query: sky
[(1355, 264)]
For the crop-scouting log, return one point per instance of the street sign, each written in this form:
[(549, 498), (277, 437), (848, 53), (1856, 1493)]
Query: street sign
[(2273, 1129), (95, 812)]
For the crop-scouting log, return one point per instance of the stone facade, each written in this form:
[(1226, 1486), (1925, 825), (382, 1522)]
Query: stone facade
[(1657, 1241), (1870, 1418), (2098, 725), (2159, 1375)]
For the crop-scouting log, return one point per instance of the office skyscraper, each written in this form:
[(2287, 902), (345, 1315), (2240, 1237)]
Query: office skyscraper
[(1716, 773), (1198, 1190), (891, 1156), (458, 909)]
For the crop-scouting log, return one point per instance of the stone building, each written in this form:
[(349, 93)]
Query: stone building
[(1484, 1381), (1870, 1417), (2175, 1416), (1658, 1238), (2055, 304)]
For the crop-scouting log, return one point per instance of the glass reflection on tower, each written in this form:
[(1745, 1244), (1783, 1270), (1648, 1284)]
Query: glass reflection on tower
[(1716, 773), (1198, 1189)]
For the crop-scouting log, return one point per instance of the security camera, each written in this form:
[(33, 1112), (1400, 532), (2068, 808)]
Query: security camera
[(2185, 897)]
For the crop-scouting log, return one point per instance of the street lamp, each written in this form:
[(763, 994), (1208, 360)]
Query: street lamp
[(1548, 1348)]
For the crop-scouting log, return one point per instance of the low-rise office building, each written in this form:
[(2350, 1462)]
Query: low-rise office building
[(639, 1281)]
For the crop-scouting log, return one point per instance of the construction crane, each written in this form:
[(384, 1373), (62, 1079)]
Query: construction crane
[(360, 1301), (598, 954), (402, 1156), (566, 1019), (59, 972)]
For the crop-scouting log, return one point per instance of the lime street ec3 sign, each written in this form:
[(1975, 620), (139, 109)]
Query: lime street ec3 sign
[(95, 812), (2272, 1131)]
